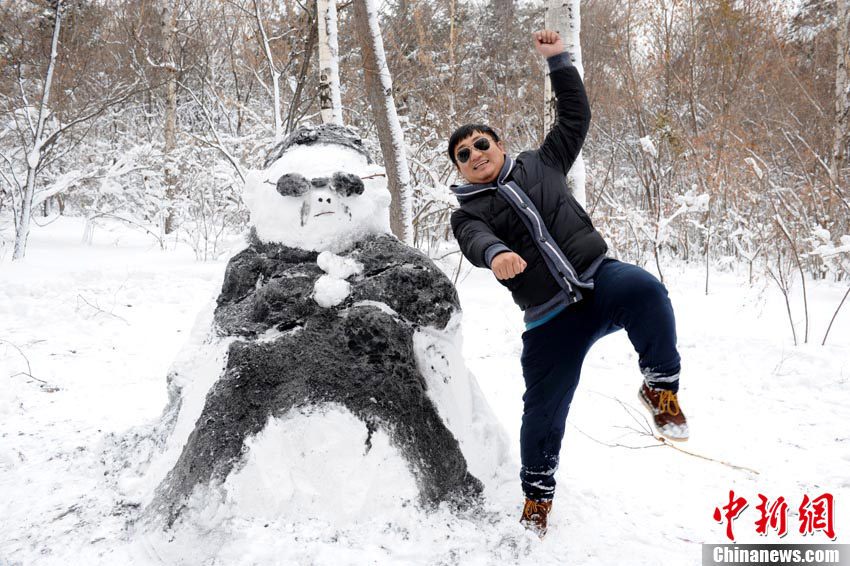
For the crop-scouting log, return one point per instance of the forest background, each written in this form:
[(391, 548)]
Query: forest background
[(719, 135)]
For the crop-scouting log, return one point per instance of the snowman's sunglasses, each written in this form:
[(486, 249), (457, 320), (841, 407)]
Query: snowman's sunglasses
[(296, 185), (481, 144)]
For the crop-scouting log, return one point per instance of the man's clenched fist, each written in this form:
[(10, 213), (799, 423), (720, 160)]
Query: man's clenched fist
[(507, 265), (548, 43)]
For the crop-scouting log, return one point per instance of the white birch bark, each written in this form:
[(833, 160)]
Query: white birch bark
[(330, 100), (273, 70), (34, 154), (169, 34), (564, 17), (379, 89)]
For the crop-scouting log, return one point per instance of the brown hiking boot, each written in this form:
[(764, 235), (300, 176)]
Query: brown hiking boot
[(534, 516), (666, 413)]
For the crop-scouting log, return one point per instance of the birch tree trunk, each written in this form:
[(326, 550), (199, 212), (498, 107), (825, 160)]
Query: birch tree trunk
[(841, 130), (169, 35), (329, 95), (452, 58), (379, 90), (564, 17), (34, 154)]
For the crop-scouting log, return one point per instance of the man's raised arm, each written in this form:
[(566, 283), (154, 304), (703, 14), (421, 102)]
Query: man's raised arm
[(563, 142)]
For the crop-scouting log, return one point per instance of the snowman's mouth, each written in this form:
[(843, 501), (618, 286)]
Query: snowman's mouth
[(322, 213)]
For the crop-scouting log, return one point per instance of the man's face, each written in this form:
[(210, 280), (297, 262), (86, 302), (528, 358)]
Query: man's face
[(482, 166)]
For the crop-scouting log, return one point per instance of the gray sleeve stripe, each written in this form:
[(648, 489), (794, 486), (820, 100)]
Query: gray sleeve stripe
[(559, 61), (493, 251)]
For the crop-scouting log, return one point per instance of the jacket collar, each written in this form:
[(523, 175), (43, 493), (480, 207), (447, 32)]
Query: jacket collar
[(466, 192)]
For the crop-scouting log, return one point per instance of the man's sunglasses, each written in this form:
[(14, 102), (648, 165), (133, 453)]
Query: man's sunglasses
[(481, 144)]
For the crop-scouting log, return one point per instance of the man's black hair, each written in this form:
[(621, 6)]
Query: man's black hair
[(464, 132)]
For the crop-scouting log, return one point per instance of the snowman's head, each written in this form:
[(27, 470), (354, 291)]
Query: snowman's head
[(318, 196)]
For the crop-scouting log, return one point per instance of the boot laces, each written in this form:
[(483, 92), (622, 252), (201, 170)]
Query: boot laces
[(533, 508), (668, 403)]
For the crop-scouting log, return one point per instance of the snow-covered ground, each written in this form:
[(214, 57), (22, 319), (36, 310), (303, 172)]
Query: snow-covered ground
[(88, 334)]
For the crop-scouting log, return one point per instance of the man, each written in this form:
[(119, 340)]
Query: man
[(518, 218)]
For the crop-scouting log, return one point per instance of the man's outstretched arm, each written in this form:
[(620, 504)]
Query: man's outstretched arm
[(482, 248), (564, 141)]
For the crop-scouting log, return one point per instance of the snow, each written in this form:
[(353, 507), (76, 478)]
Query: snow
[(287, 480), (692, 202), (648, 146), (465, 410), (286, 476), (33, 157), (102, 325), (321, 219), (331, 289), (337, 266), (384, 307), (827, 249), (756, 169)]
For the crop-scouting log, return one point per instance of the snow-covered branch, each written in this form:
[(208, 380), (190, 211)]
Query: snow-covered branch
[(273, 70), (219, 145)]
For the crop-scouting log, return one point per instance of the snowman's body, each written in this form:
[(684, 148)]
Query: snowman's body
[(325, 309)]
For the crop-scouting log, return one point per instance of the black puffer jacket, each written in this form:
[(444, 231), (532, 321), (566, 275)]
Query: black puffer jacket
[(489, 222)]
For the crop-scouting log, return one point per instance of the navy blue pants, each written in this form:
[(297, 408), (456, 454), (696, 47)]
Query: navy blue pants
[(624, 296)]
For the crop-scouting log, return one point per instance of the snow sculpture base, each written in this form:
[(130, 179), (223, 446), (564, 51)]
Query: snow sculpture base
[(360, 355)]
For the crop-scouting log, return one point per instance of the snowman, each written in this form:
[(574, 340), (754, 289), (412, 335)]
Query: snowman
[(324, 318)]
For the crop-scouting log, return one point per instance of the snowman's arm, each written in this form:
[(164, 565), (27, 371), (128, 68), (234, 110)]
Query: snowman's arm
[(408, 282)]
